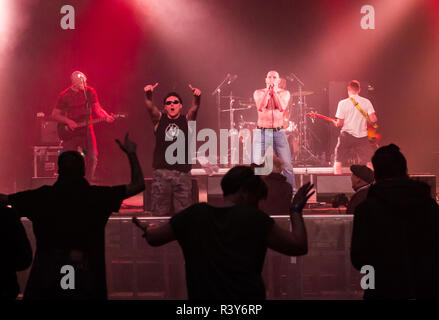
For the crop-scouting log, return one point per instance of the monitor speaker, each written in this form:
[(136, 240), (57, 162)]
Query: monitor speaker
[(39, 182), (214, 191), (328, 186), (428, 179)]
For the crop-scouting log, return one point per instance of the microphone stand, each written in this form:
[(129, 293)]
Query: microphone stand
[(217, 92), (87, 107), (303, 141)]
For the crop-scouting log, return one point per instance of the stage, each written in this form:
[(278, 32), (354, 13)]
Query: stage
[(303, 68), (137, 271)]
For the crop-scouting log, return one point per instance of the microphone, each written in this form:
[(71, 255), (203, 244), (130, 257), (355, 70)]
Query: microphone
[(232, 78), (82, 77)]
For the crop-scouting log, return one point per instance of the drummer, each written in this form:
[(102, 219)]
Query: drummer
[(271, 103)]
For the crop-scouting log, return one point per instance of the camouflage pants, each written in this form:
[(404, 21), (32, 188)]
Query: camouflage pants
[(171, 191)]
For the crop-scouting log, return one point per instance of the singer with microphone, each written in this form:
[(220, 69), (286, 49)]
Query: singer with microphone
[(271, 103), (76, 104)]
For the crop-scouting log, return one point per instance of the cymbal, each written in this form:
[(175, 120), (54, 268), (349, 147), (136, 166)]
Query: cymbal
[(234, 97), (304, 93), (307, 108), (235, 109), (249, 104)]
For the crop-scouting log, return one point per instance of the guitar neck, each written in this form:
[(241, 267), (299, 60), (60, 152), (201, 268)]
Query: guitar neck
[(323, 117), (85, 123), (326, 118)]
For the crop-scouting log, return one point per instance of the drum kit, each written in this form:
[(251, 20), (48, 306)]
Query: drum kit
[(240, 109)]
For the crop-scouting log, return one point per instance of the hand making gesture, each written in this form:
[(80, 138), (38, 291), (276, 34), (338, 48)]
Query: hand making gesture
[(149, 87), (128, 145), (195, 91)]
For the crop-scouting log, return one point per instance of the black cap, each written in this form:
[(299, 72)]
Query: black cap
[(363, 172)]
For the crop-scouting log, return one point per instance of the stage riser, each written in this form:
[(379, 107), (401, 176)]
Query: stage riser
[(136, 270)]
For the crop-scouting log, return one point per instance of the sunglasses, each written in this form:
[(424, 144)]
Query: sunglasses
[(173, 102)]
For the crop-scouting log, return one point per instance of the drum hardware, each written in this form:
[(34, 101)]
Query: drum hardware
[(230, 96), (233, 102), (248, 105), (234, 109), (304, 152), (303, 93), (228, 80)]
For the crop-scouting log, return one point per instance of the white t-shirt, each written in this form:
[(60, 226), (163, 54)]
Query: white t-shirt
[(354, 122)]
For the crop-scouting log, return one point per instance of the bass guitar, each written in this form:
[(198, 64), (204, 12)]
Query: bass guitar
[(372, 133), (65, 133)]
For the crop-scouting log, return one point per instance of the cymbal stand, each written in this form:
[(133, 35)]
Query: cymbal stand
[(304, 154), (217, 92), (232, 130)]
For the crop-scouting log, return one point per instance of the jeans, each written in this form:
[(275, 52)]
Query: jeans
[(277, 139)]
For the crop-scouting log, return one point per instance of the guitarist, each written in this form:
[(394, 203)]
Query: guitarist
[(353, 123), (71, 109)]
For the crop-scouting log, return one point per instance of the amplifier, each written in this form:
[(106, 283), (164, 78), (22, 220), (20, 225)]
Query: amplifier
[(45, 161), (48, 131)]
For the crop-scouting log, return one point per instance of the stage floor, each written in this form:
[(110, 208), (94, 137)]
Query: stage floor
[(134, 206), (137, 271)]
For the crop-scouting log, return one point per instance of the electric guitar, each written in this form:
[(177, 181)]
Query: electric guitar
[(372, 133), (65, 133)]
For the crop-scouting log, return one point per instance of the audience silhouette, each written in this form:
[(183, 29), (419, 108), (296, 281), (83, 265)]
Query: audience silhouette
[(69, 221), (16, 252), (362, 178), (395, 232), (279, 193), (224, 248)]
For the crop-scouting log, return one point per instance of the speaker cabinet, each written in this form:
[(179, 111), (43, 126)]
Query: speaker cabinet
[(48, 132), (330, 185)]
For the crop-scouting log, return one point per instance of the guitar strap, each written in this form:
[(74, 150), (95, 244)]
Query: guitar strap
[(363, 113)]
